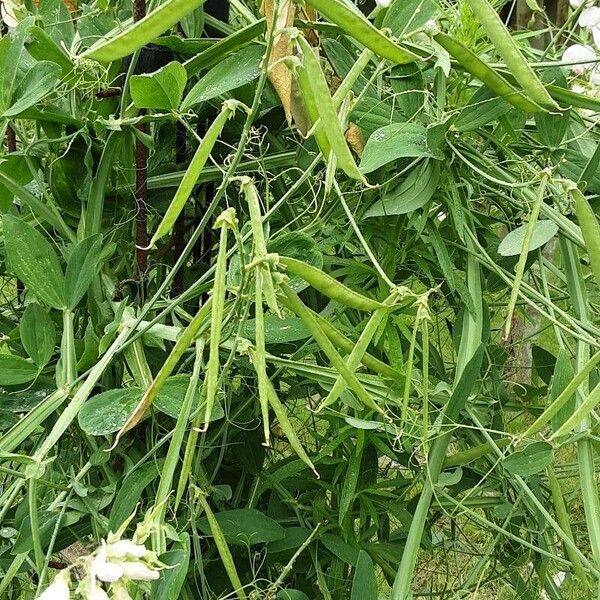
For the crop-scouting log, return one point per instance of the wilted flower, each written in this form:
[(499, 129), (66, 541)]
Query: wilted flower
[(59, 588), (578, 53), (139, 571)]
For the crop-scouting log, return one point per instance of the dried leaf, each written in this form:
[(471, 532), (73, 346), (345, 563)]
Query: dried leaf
[(355, 139), (279, 75)]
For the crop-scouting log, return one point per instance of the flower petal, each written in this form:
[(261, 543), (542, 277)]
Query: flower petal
[(58, 589), (589, 17), (138, 571), (577, 53)]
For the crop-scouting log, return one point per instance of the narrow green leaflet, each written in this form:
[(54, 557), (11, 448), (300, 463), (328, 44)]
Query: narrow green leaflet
[(82, 267), (410, 195), (246, 526), (364, 583)]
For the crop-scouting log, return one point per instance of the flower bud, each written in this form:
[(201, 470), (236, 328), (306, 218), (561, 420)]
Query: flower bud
[(138, 571)]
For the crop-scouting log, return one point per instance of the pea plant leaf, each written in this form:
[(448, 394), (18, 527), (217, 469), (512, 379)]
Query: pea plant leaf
[(512, 244), (533, 459), (236, 70), (391, 142), (162, 89), (15, 370), (40, 80), (33, 260), (38, 334), (364, 584), (82, 267)]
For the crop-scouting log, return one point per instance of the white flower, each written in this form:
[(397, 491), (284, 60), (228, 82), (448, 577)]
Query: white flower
[(96, 593), (124, 548), (577, 53), (102, 569), (59, 588), (109, 572), (596, 35), (9, 9), (589, 17), (575, 4), (383, 3), (138, 571)]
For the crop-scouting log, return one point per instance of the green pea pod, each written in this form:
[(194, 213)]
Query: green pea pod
[(359, 28), (341, 341), (181, 345), (327, 113), (505, 46), (298, 307), (260, 245), (259, 357), (356, 356), (493, 80), (141, 32), (328, 285), (312, 111), (223, 549), (225, 221), (588, 222), (287, 427), (190, 178)]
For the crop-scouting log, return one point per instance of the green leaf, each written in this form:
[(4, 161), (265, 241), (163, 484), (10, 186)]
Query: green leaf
[(107, 412), (14, 165), (484, 107), (406, 16), (168, 586), (130, 491), (82, 267), (12, 58), (38, 82), (160, 90), (277, 331), (413, 193), (15, 370), (563, 374), (38, 334), (512, 244), (33, 260), (170, 398), (291, 595), (533, 459), (245, 526), (364, 583), (236, 70), (389, 143)]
